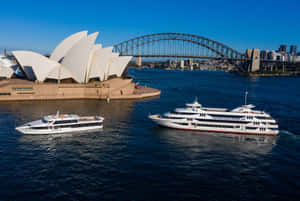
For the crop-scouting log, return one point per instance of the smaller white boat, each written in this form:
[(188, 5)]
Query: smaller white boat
[(62, 123)]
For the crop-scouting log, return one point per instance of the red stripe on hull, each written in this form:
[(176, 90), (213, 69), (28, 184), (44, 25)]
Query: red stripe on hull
[(216, 131)]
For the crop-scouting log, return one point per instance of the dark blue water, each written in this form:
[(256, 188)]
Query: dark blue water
[(132, 159)]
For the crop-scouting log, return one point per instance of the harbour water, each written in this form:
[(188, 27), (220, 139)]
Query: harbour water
[(133, 159)]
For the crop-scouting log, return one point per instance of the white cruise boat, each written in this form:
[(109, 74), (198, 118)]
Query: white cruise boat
[(64, 123), (241, 120)]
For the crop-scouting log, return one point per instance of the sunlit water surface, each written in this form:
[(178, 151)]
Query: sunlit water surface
[(133, 159)]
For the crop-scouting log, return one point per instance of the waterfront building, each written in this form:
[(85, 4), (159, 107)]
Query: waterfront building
[(249, 53), (264, 54), (293, 50), (297, 59), (282, 48), (276, 56)]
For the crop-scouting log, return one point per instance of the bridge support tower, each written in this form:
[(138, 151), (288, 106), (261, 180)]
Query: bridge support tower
[(254, 55), (182, 64), (139, 61)]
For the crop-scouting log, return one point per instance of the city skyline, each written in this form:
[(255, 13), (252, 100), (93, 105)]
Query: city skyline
[(240, 25)]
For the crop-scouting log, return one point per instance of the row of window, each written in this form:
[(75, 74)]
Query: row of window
[(66, 121), (23, 89), (223, 121), (70, 126), (233, 116), (207, 125), (173, 117), (251, 128), (5, 94)]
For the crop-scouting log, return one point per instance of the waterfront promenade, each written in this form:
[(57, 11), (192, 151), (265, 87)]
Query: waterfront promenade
[(116, 88)]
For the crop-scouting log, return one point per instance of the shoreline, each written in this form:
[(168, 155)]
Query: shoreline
[(288, 74)]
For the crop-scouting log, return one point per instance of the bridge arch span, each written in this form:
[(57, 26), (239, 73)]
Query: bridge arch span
[(182, 45)]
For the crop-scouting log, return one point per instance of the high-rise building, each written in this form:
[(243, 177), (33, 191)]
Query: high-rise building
[(293, 49), (249, 53), (282, 48), (264, 54)]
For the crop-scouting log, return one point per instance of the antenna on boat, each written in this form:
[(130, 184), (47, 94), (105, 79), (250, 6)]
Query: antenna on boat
[(57, 114), (246, 94), (196, 99)]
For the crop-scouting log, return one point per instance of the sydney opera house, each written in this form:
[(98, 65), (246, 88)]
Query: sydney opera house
[(77, 69)]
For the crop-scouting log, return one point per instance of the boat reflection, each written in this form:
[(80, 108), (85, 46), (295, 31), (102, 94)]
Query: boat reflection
[(225, 143)]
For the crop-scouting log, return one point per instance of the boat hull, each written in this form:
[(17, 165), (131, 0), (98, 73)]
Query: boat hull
[(169, 124), (28, 131)]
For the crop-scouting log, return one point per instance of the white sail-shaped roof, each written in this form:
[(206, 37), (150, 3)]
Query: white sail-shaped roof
[(34, 65), (60, 51), (97, 47), (100, 63), (60, 72), (118, 65), (77, 58)]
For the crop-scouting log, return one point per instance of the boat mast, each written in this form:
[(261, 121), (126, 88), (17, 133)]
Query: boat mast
[(246, 94)]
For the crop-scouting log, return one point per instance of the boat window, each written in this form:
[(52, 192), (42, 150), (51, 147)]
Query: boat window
[(186, 113), (226, 116), (39, 128), (65, 121), (184, 124), (218, 126), (257, 117), (223, 120), (251, 128), (168, 117), (87, 124), (79, 125)]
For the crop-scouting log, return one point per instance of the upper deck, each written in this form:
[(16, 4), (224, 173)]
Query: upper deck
[(61, 117)]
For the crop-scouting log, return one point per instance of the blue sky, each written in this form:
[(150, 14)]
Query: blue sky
[(41, 25)]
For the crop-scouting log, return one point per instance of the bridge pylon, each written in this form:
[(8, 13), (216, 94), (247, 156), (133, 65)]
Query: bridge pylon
[(182, 64), (139, 61), (254, 55)]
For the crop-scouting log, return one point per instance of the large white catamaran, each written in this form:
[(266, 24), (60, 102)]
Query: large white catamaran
[(241, 120)]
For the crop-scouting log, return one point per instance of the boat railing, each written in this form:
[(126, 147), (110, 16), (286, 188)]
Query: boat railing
[(225, 118), (90, 118)]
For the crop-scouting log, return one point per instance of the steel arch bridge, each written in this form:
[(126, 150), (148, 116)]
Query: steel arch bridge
[(178, 45)]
